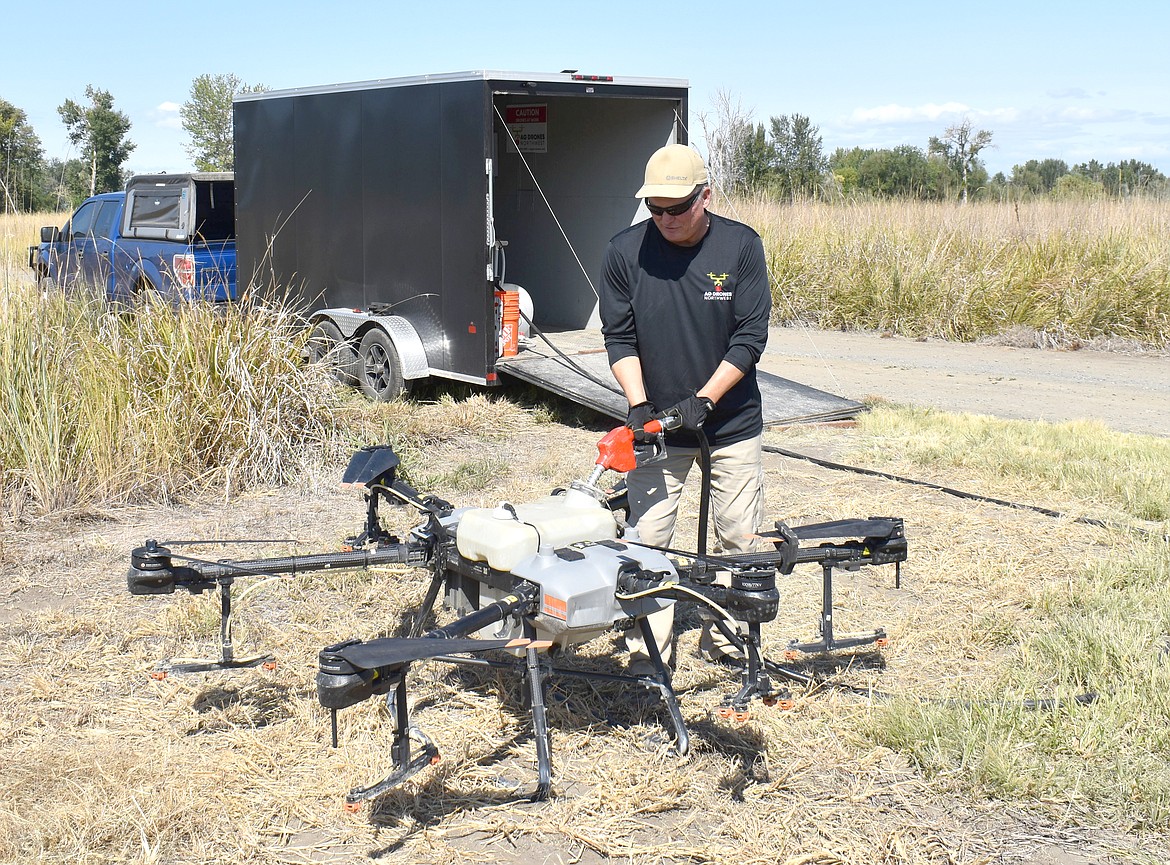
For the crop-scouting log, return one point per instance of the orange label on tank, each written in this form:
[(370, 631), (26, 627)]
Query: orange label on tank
[(556, 608)]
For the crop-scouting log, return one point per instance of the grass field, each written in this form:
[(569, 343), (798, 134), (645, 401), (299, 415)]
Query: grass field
[(1073, 272), (120, 427)]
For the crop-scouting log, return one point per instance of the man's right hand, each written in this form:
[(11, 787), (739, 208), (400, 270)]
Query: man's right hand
[(637, 419)]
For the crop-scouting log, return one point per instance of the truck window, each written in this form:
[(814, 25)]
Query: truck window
[(156, 208), (103, 226), (82, 220)]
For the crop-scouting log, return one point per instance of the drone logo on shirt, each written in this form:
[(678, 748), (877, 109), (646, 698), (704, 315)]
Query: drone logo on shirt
[(718, 293)]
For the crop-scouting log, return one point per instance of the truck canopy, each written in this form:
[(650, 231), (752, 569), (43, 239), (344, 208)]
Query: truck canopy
[(196, 207)]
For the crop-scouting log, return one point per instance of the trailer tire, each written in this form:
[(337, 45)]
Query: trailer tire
[(379, 367), (328, 346)]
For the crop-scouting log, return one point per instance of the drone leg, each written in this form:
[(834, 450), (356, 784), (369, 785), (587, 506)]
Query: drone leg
[(682, 739), (404, 765), (428, 602), (827, 605), (227, 651), (400, 750), (828, 642), (539, 725)]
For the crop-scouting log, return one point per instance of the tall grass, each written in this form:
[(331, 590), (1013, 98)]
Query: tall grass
[(101, 406), (1074, 270)]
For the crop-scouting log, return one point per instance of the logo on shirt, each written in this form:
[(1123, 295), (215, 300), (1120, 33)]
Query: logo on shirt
[(718, 293)]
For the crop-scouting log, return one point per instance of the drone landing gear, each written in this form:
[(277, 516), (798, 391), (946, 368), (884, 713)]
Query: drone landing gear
[(227, 659), (827, 641), (406, 764), (755, 680)]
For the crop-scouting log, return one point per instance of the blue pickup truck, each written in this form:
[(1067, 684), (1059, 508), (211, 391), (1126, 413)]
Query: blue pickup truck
[(174, 234)]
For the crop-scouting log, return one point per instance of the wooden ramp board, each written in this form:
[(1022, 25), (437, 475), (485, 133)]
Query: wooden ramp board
[(584, 377)]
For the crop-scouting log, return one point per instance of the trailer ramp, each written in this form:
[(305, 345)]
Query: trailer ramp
[(580, 373)]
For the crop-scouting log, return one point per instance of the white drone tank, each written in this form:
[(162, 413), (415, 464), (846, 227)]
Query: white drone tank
[(508, 534)]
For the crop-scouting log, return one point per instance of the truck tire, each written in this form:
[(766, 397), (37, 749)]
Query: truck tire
[(328, 346), (379, 367)]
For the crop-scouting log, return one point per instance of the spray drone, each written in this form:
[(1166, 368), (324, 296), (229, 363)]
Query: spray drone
[(525, 578)]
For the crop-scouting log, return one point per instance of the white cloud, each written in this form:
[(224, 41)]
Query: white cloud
[(166, 115), (904, 114), (1068, 93), (930, 112)]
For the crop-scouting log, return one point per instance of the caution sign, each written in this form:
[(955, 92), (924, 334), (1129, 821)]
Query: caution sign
[(528, 125)]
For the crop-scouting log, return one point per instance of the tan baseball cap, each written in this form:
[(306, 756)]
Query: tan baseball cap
[(673, 172)]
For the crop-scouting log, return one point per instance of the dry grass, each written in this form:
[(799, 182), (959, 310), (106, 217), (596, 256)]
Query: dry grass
[(100, 763), (1074, 271), (103, 764)]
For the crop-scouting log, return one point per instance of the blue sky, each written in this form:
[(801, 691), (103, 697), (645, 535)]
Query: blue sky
[(1073, 81)]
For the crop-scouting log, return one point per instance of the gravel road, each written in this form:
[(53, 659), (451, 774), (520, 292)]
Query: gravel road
[(1129, 392)]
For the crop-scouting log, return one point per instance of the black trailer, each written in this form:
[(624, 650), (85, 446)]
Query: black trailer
[(412, 214)]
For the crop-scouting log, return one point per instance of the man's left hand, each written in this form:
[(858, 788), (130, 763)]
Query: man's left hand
[(692, 412)]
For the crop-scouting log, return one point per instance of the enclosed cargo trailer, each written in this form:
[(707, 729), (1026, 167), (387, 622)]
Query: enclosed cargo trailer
[(412, 200)]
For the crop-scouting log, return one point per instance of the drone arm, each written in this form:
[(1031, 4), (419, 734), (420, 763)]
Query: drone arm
[(750, 597), (153, 572)]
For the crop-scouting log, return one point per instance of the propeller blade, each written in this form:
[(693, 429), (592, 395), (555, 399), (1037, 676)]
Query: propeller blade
[(395, 651)]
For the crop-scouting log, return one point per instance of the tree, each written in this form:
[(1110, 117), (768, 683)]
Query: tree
[(730, 134), (207, 118), (800, 161), (960, 147), (1039, 176), (757, 161), (100, 132), (21, 155)]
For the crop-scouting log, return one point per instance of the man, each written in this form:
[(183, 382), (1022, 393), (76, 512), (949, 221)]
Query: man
[(684, 305)]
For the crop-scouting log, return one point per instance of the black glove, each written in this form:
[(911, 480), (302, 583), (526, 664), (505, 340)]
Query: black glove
[(692, 412), (636, 420)]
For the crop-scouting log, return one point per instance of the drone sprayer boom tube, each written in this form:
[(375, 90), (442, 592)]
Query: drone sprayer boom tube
[(152, 571)]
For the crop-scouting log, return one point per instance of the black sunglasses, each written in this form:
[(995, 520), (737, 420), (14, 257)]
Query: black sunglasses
[(675, 209)]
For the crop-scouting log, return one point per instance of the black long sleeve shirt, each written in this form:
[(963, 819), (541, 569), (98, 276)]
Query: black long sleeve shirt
[(683, 310)]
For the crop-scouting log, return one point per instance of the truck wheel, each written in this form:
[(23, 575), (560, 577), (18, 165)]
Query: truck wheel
[(328, 346), (379, 368)]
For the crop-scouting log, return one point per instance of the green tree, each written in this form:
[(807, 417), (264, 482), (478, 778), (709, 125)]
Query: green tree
[(1076, 186), (1039, 176), (845, 166), (207, 118), (800, 164), (1129, 177), (21, 155), (757, 161), (960, 147), (100, 132)]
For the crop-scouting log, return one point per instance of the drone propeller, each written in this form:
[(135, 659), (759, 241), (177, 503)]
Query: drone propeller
[(395, 651)]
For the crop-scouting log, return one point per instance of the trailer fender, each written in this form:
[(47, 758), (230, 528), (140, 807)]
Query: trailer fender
[(354, 325)]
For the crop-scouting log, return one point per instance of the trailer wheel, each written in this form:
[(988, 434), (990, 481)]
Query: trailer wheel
[(379, 367), (328, 346)]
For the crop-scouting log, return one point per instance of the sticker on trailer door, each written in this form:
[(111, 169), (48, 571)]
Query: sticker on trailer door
[(528, 125)]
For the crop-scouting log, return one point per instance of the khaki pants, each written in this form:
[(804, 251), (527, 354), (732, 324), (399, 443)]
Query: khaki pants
[(737, 509)]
